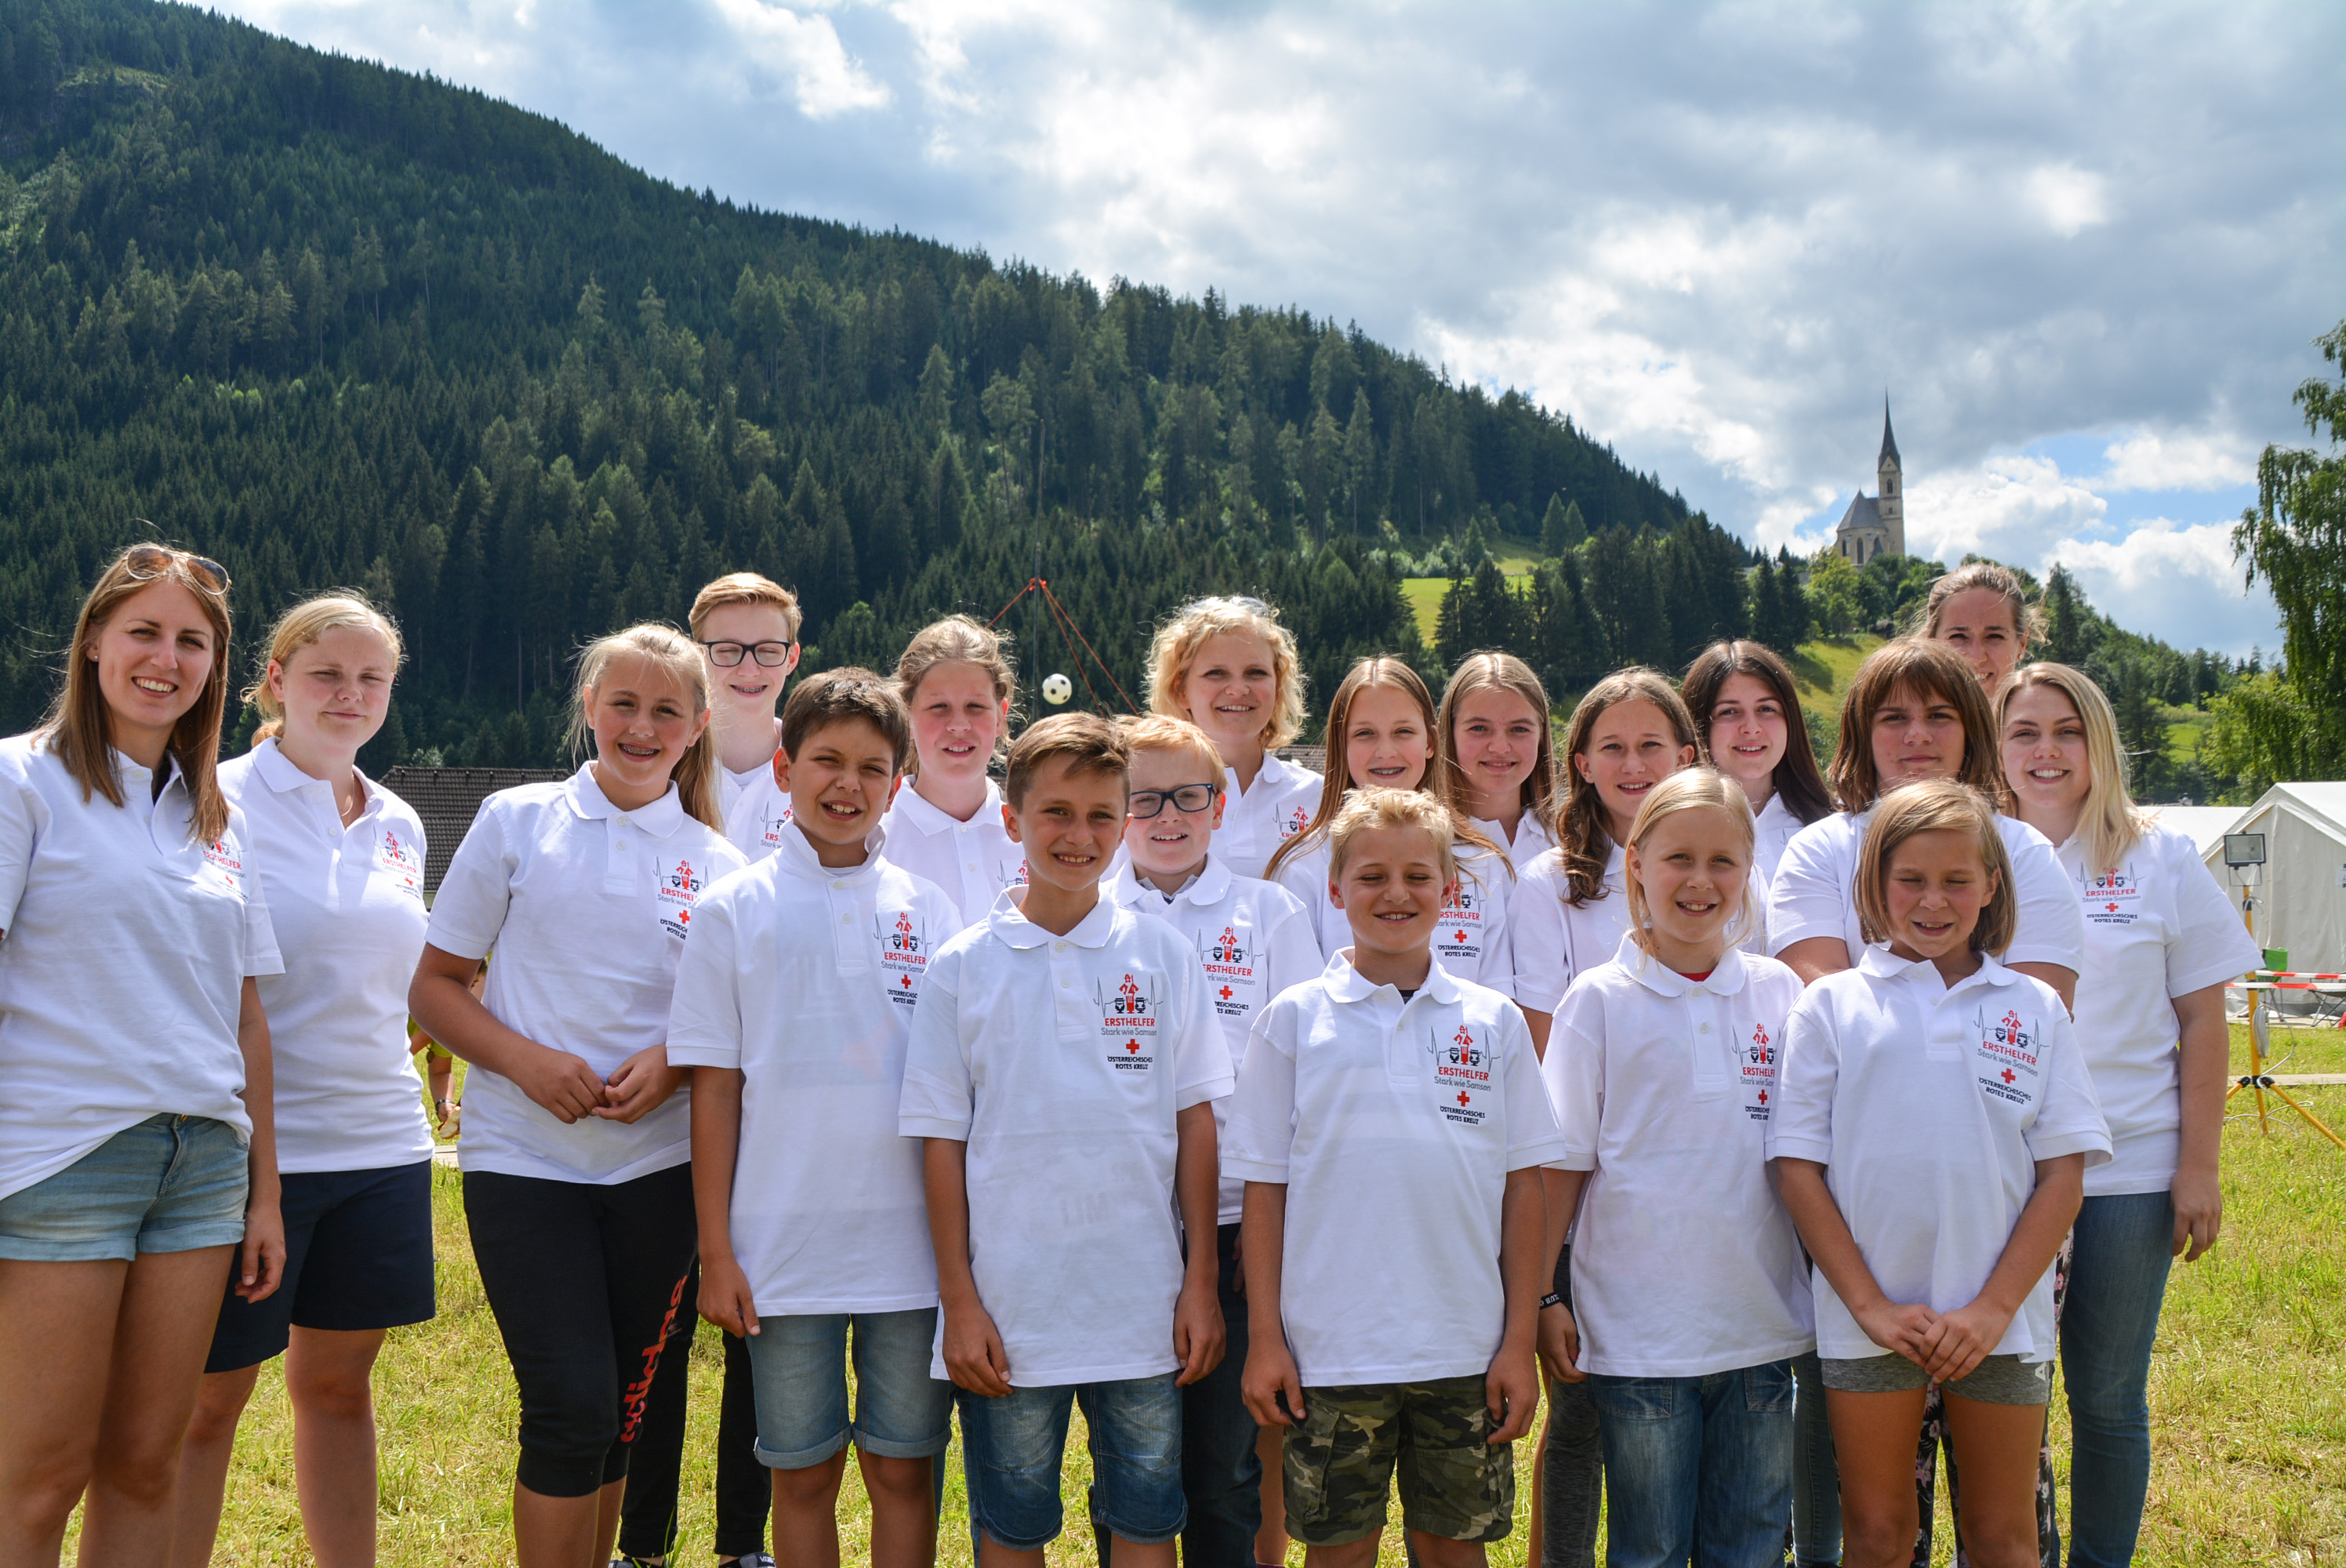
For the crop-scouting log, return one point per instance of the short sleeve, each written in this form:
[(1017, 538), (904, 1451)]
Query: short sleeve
[(2052, 924), (1755, 898), (22, 819), (1541, 963), (469, 910), (2069, 1118), (1574, 1072), (938, 1100), (261, 958), (1812, 894), (1801, 1127), (1533, 1135), (1262, 1130), (1495, 880), (1201, 1055), (1305, 875), (704, 1020), (2208, 944), (1293, 955)]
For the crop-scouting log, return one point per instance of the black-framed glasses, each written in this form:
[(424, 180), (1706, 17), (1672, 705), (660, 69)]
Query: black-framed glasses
[(146, 561), (1190, 800), (771, 654)]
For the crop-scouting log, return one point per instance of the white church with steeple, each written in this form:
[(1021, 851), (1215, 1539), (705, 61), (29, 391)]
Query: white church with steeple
[(1876, 524)]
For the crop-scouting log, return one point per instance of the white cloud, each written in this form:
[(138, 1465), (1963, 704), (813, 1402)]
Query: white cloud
[(1712, 233), (2180, 577)]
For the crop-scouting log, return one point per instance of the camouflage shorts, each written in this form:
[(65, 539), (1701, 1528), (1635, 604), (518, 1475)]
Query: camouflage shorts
[(1340, 1459)]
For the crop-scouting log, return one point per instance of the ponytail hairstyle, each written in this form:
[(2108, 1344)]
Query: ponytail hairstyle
[(299, 626), (2111, 825), (2027, 619), (1799, 783), (1928, 668), (675, 655), (1377, 670), (77, 728), (959, 639), (1582, 838), (1699, 788), (1173, 652), (1505, 672)]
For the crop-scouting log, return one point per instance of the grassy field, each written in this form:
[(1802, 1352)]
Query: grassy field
[(2248, 1394)]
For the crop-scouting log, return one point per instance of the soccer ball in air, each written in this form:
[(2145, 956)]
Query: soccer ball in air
[(1057, 688)]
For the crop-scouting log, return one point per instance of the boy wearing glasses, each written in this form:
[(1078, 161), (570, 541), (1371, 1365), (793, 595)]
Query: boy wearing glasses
[(747, 629), (1255, 940)]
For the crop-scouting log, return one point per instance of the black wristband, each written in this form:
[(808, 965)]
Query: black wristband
[(1553, 1299)]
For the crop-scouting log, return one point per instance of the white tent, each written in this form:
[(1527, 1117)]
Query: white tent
[(2205, 826), (2301, 893)]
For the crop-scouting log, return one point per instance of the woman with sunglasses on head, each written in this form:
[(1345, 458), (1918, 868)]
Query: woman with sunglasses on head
[(138, 1155)]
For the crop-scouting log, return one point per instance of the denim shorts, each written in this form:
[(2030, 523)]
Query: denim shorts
[(358, 1255), (1996, 1380), (1012, 1448), (798, 1367), (171, 1183)]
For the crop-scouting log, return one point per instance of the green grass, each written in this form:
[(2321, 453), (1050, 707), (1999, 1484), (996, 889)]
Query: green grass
[(2248, 1394), (1424, 596)]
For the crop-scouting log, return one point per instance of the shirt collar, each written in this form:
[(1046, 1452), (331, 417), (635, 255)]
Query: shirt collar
[(1010, 923), (796, 852), (662, 817), (277, 769), (926, 817), (1883, 965), (1725, 979), (1209, 886), (1350, 985)]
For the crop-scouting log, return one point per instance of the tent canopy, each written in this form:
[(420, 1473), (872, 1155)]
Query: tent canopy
[(2205, 826), (2301, 890)]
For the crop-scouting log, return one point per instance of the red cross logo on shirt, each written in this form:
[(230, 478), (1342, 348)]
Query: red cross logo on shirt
[(1763, 1096), (684, 917), (1463, 1098), (2112, 908), (1460, 936), (2008, 1074), (905, 981), (1133, 1046), (1226, 993)]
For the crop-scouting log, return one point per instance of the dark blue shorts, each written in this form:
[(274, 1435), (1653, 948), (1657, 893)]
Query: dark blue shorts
[(357, 1255)]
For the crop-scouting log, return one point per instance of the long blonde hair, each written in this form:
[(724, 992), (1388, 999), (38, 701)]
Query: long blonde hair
[(2111, 825), (1489, 671), (303, 624), (673, 652), (1699, 788), (76, 729), (1173, 651), (1582, 837)]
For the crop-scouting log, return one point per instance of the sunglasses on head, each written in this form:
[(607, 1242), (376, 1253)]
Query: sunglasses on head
[(145, 561)]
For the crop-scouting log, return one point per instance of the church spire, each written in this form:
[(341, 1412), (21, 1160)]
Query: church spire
[(1888, 441), (1892, 504)]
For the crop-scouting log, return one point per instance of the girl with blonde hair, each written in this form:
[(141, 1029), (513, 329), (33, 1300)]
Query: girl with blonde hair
[(138, 1152), (2161, 941), (577, 1189), (1494, 761), (1227, 665), (946, 823)]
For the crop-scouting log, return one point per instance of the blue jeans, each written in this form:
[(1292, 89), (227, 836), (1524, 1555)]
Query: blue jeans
[(1816, 1474), (2117, 1277), (798, 1367), (1706, 1458), (1013, 1448), (169, 1183)]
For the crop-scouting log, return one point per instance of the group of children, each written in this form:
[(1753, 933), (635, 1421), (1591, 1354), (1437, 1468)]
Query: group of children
[(1301, 1129)]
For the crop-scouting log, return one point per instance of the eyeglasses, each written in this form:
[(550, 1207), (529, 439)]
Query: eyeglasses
[(146, 561), (772, 656), (1189, 799)]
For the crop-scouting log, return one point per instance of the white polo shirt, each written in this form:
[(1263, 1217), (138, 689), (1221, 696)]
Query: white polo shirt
[(1814, 891), (587, 907), (347, 904), (1392, 1124), (1254, 941), (1772, 831), (1063, 1062), (1531, 841), (1928, 1106), (756, 813), (973, 861), (122, 971), (1556, 941), (804, 980), (1684, 1263), (1472, 941), (2157, 928), (1256, 821)]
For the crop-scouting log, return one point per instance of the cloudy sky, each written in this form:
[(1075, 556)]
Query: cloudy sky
[(2084, 248)]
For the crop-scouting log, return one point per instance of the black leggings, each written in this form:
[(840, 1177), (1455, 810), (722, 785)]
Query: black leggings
[(587, 1283), (745, 1489)]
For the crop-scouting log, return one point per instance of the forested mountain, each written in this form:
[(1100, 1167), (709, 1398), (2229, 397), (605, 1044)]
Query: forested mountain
[(336, 324)]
